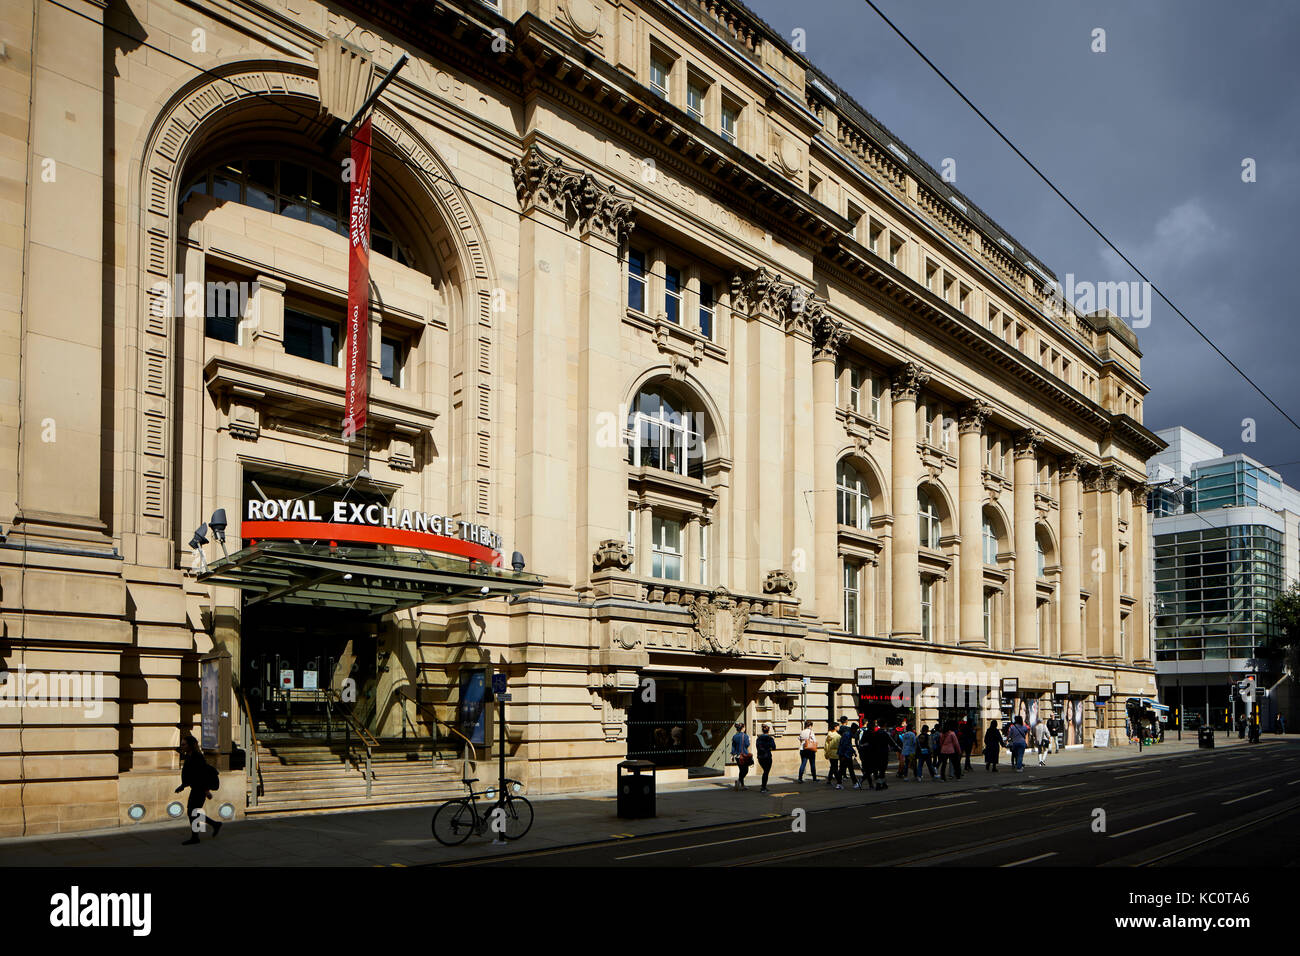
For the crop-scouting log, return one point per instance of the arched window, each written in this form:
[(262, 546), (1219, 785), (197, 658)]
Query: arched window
[(291, 189), (665, 433), (853, 502), (990, 543), (931, 525)]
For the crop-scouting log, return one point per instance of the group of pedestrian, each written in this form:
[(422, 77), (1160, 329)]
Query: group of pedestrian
[(941, 751)]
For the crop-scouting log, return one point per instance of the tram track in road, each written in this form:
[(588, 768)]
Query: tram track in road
[(1260, 818), (978, 847), (1104, 784)]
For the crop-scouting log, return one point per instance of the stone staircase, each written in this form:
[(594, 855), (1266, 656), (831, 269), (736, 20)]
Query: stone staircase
[(316, 774)]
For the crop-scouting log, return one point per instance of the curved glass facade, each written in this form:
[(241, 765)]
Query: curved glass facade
[(1214, 588)]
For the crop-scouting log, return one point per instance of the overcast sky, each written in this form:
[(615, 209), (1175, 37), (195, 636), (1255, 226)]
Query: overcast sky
[(1147, 138)]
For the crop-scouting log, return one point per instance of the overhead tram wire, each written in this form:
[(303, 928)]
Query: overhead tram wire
[(1091, 225)]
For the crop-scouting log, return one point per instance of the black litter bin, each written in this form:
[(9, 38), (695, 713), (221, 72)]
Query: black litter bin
[(1205, 737), (636, 789)]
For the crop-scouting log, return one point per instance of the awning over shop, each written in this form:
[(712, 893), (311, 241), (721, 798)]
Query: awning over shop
[(1148, 702), (366, 578)]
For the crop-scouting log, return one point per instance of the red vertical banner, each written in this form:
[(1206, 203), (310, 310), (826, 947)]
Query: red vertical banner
[(357, 369)]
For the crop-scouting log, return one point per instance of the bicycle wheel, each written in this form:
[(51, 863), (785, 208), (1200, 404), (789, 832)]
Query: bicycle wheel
[(518, 817), (453, 822)]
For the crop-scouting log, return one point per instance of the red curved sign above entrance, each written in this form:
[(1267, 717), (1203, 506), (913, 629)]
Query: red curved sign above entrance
[(367, 534)]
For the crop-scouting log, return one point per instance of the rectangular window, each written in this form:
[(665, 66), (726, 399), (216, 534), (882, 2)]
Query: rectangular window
[(631, 529), (932, 277), (730, 123), (707, 303), (695, 93), (965, 299), (310, 337), (666, 549), (927, 610), (222, 313), (636, 280), (875, 238), (895, 251), (673, 294), (855, 390), (392, 359), (850, 597), (659, 72), (927, 423), (875, 398)]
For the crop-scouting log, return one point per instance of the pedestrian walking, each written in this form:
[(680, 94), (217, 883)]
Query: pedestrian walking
[(907, 750), (1057, 726), (201, 779), (896, 737), (923, 753), (866, 755), (936, 738), (848, 743), (740, 753), (992, 745), (882, 743), (1017, 740), (808, 750), (764, 745), (1044, 738), (966, 736), (832, 751), (950, 752)]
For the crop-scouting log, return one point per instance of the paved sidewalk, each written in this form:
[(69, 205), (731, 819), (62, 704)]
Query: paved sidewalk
[(402, 837)]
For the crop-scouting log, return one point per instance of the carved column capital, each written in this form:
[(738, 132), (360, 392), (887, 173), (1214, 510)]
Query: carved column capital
[(602, 209), (544, 181), (973, 416), (1100, 478), (1073, 467), (828, 333), (1027, 442), (906, 381)]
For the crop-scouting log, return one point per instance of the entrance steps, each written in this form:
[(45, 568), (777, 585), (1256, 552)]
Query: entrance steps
[(315, 773)]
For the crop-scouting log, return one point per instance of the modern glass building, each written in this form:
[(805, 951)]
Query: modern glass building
[(1225, 547)]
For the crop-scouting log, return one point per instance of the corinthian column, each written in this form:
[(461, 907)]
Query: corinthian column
[(1026, 593), (1071, 629), (970, 429), (828, 337), (907, 381)]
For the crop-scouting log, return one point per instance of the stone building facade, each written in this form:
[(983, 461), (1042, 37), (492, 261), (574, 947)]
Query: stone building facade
[(760, 397)]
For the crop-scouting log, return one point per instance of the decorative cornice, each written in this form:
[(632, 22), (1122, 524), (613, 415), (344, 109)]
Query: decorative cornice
[(906, 381), (973, 416)]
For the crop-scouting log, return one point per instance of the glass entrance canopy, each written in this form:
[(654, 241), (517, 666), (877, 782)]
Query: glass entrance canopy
[(366, 578)]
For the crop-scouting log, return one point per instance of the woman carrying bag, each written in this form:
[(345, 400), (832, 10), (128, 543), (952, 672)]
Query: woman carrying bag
[(740, 751)]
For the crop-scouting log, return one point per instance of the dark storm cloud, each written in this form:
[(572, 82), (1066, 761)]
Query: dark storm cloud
[(1147, 138)]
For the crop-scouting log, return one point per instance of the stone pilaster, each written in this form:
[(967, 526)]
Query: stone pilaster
[(828, 336), (970, 431), (1025, 591), (604, 219), (906, 383), (1071, 625)]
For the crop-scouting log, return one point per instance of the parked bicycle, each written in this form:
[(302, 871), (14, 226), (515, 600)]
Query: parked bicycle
[(456, 819)]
